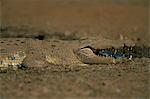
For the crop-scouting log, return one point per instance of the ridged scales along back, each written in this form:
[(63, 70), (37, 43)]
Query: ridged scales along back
[(17, 52)]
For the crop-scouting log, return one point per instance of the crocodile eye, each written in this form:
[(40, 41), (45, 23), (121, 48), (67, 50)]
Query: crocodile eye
[(11, 57)]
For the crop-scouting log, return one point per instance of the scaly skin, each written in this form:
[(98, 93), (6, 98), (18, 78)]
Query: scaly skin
[(15, 52)]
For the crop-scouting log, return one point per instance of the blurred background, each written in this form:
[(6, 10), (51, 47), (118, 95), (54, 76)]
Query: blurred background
[(73, 19)]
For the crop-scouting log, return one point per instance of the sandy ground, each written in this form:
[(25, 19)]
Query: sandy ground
[(121, 81), (74, 19)]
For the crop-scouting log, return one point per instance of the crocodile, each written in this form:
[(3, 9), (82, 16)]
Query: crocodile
[(28, 52)]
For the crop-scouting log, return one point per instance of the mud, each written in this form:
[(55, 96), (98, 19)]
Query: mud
[(123, 52), (77, 20)]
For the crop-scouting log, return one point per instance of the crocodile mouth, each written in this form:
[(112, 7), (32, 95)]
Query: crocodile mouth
[(92, 55)]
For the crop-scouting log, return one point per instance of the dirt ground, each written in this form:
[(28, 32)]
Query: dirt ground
[(129, 80), (69, 20)]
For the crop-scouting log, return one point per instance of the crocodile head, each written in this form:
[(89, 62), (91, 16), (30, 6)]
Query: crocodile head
[(13, 60)]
